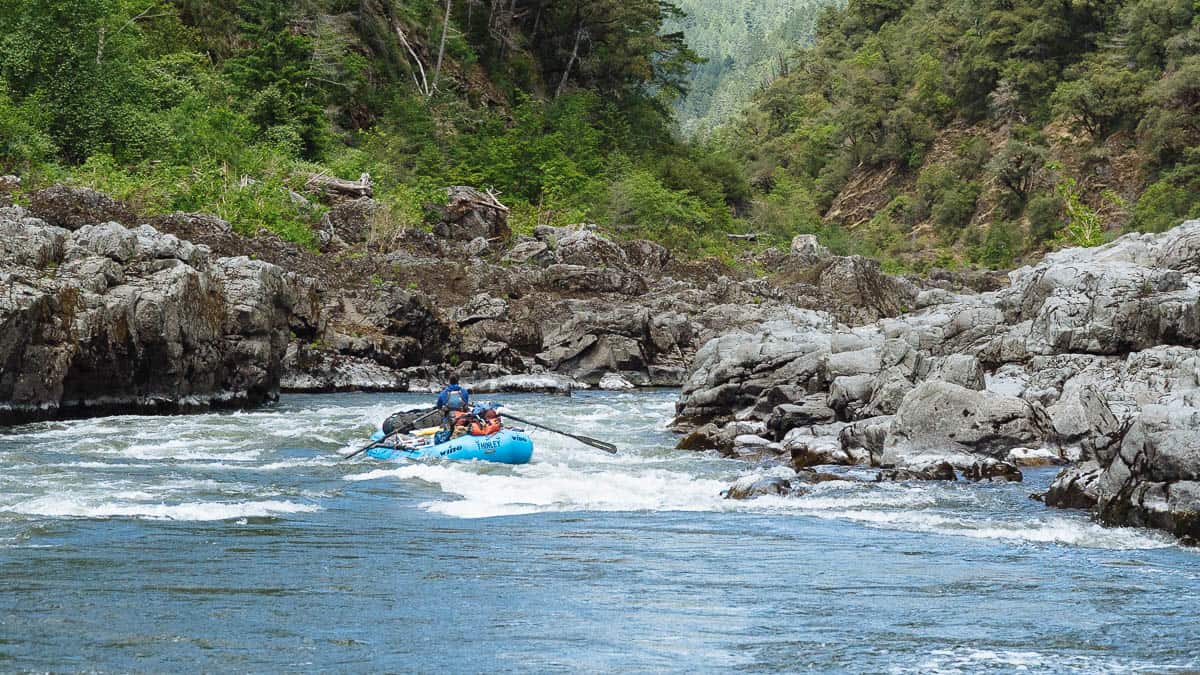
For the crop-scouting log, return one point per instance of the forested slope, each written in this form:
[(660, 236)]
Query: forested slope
[(745, 44), (968, 131), (926, 133), (562, 107)]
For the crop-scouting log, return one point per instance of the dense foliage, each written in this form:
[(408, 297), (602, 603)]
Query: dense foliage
[(928, 132), (977, 130), (561, 106), (745, 44)]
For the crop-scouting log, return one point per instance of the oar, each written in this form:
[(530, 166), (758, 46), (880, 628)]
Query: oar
[(412, 425), (599, 445)]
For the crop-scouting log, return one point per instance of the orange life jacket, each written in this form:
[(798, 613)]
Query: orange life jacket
[(487, 425)]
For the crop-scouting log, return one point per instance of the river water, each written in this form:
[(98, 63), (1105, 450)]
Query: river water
[(240, 542)]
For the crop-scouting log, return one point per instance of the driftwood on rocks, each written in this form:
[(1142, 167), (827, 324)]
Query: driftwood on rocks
[(332, 186)]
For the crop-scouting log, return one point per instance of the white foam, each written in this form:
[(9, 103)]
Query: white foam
[(971, 659), (538, 488), (191, 511), (1052, 530)]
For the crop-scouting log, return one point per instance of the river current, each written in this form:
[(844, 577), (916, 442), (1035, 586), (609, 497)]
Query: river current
[(240, 542)]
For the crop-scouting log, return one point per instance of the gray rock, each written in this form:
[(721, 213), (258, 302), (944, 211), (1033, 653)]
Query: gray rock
[(808, 250), (108, 319), (581, 280), (110, 240), (961, 369), (992, 471), (1150, 482), (860, 290), (789, 416), (730, 372), (1074, 487), (530, 252), (350, 221), (943, 415), (527, 384), (477, 247), (754, 487), (646, 257), (941, 471), (469, 213), (808, 451), (614, 382), (588, 249), (868, 434), (482, 307)]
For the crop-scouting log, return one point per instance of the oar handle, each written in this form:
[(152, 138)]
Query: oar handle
[(381, 441)]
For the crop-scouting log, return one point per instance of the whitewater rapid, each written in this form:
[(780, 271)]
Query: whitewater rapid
[(226, 467)]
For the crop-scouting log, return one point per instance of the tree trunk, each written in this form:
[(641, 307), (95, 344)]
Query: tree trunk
[(562, 84), (437, 71), (423, 83)]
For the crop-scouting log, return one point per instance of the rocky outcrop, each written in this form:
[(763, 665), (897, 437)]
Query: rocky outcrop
[(1088, 356), (108, 318), (1150, 479), (349, 222), (954, 420), (469, 214)]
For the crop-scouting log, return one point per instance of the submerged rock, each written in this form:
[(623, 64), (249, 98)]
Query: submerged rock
[(754, 487), (940, 471)]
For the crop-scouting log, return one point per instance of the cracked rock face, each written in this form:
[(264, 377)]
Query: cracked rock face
[(113, 319), (1089, 356), (1152, 480)]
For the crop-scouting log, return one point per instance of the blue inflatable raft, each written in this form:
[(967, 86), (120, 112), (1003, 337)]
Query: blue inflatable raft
[(508, 446)]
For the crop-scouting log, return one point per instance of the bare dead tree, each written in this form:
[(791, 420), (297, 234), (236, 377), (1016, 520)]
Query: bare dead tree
[(580, 35), (102, 36), (437, 71)]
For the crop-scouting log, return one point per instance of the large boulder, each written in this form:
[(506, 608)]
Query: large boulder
[(808, 250), (349, 221), (582, 246), (1153, 480), (469, 213), (730, 373), (940, 418), (860, 292)]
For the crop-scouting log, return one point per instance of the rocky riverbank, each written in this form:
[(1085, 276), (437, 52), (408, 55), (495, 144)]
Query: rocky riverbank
[(1088, 357), (111, 310)]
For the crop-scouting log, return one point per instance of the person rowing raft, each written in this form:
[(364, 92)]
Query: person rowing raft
[(454, 397)]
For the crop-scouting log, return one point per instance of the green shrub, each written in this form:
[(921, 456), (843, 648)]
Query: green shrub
[(999, 247), (1045, 213), (1168, 201), (24, 140), (640, 204)]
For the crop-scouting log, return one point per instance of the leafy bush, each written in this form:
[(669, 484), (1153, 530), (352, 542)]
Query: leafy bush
[(999, 247), (1168, 201), (24, 141), (1045, 213)]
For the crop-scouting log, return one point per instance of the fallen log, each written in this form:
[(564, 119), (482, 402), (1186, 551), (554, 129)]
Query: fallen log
[(324, 185)]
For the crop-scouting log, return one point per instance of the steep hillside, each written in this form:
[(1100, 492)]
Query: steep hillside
[(745, 44), (977, 132), (230, 107)]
